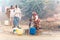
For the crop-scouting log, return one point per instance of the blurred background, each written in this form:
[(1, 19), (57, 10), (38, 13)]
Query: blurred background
[(48, 10)]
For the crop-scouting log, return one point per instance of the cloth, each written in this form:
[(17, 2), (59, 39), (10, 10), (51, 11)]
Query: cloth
[(16, 21), (18, 12), (11, 12), (35, 17)]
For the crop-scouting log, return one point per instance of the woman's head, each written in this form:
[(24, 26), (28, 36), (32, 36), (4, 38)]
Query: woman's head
[(15, 6), (34, 13), (11, 6)]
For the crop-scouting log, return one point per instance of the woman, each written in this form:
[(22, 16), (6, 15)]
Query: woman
[(11, 15)]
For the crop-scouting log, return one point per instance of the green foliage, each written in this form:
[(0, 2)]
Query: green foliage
[(28, 6)]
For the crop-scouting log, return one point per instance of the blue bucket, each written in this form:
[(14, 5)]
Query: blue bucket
[(32, 30)]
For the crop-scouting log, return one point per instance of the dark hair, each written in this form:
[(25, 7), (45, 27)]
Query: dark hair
[(16, 6), (11, 6)]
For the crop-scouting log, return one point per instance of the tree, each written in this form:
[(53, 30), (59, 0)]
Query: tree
[(28, 6)]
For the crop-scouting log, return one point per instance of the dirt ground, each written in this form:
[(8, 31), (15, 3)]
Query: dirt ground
[(5, 34)]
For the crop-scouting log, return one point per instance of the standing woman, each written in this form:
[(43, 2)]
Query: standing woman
[(11, 15)]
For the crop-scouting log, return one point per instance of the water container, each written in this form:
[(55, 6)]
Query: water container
[(32, 30)]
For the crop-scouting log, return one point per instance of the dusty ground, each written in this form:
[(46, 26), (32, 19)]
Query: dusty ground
[(5, 34)]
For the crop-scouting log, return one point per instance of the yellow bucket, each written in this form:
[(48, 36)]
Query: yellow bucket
[(19, 31)]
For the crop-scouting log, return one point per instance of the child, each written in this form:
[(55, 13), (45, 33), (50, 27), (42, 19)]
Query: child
[(30, 23)]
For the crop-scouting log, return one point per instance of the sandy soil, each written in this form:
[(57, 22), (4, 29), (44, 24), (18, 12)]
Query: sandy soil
[(5, 34)]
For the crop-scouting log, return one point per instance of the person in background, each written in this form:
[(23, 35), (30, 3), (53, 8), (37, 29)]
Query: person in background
[(17, 17), (8, 12), (11, 15)]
